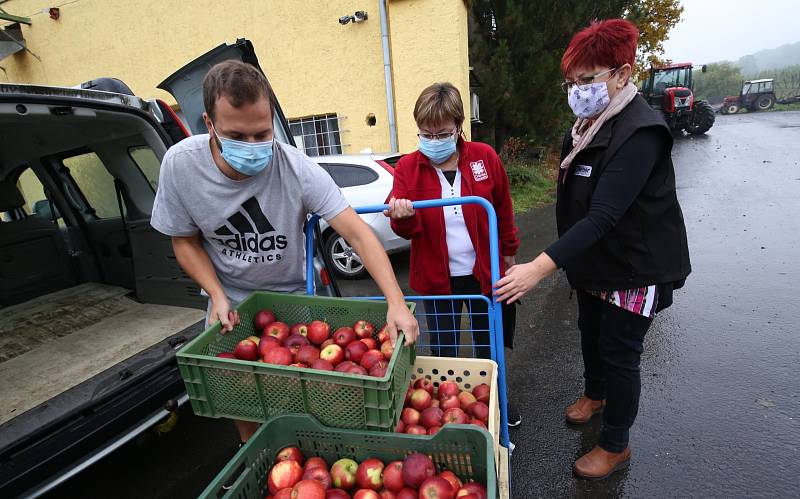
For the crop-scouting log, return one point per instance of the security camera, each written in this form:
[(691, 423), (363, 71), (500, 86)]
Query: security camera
[(360, 16), (345, 19)]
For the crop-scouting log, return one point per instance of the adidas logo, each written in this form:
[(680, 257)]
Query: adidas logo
[(250, 219)]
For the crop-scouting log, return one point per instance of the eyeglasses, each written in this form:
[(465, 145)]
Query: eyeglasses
[(437, 136), (583, 83)]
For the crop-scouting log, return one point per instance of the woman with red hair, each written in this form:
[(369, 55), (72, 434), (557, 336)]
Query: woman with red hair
[(622, 240)]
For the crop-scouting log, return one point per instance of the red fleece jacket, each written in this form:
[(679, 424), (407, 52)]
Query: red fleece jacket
[(482, 174)]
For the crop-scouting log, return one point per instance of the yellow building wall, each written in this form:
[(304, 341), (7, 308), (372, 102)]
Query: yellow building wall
[(315, 65)]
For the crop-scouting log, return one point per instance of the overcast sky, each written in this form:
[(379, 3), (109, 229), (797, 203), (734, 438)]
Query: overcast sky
[(715, 30)]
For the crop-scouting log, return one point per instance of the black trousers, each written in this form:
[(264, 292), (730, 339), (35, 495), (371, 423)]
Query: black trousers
[(612, 343), (443, 318)]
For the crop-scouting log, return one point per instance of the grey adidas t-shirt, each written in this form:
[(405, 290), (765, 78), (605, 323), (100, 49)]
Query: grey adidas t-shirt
[(252, 229)]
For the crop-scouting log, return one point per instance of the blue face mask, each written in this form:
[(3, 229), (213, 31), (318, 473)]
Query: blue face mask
[(247, 158), (438, 150)]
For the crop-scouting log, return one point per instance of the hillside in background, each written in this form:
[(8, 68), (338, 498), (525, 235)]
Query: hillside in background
[(777, 58)]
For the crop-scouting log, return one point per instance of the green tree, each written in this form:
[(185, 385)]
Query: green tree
[(516, 48), (720, 79), (655, 19)]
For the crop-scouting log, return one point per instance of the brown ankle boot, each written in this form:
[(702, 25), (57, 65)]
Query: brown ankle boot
[(583, 409), (598, 463)]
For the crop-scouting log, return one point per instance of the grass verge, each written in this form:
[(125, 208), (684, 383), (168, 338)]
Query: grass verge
[(533, 181)]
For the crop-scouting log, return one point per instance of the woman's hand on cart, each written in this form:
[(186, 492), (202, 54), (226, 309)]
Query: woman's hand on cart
[(523, 277), (399, 208), (400, 318)]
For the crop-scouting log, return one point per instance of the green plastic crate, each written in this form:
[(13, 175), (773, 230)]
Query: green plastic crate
[(254, 391), (465, 450)]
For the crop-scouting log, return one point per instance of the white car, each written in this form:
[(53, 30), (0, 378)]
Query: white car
[(365, 179)]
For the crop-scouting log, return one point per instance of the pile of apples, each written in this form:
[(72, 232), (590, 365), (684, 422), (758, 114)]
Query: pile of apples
[(415, 477), (426, 410), (353, 350)]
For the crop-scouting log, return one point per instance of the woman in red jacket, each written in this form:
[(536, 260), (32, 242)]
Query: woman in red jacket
[(450, 246)]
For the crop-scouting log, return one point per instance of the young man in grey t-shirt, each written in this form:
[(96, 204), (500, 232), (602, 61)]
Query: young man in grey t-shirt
[(234, 202)]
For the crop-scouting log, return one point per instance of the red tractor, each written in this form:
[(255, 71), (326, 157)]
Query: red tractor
[(669, 89)]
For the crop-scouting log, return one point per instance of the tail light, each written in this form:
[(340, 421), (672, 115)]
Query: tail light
[(324, 277)]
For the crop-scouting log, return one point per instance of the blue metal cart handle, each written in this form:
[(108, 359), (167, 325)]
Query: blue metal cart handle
[(497, 346)]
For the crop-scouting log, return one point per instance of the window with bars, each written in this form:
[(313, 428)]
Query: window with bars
[(317, 135)]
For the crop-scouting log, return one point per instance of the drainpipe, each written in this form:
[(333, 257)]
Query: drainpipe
[(387, 76)]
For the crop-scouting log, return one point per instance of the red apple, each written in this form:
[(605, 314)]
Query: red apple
[(425, 384), (410, 416), (320, 474), (333, 354), (455, 416), (481, 393), (478, 422), (322, 365), (366, 494), (318, 332), (370, 474), (370, 358), (432, 416), (387, 349), (379, 369), (307, 354), (474, 488), (449, 403), (448, 389), (387, 494), (308, 489), (436, 487), (383, 335), (354, 351), (401, 426), (278, 330), (434, 403), (266, 343), (294, 341), (226, 355), (344, 336), (254, 339), (246, 350), (284, 474), (420, 399), (315, 462), (455, 482), (409, 393), (393, 476), (416, 469), (343, 474), (299, 364), (466, 399), (279, 355), (290, 454), (263, 319), (433, 430), (407, 493), (336, 494), (416, 429), (371, 344), (363, 329), (356, 369), (283, 494), (479, 410), (299, 328), (327, 342), (344, 366)]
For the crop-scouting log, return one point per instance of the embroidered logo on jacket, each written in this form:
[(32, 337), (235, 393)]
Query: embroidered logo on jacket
[(583, 171), (479, 170)]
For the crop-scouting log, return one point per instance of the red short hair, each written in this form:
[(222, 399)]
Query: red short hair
[(609, 43)]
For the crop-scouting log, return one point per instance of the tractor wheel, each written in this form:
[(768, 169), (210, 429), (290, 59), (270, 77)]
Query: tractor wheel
[(764, 103), (731, 109), (702, 118)]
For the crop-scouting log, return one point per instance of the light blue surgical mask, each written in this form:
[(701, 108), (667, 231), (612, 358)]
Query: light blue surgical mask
[(247, 158), (438, 150)]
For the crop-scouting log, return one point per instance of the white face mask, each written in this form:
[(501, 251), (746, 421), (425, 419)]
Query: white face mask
[(590, 100)]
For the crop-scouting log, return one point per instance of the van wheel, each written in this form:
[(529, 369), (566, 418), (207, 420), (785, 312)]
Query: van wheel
[(346, 262)]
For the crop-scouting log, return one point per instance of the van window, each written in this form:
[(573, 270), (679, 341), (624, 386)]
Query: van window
[(350, 175), (36, 202), (146, 160), (96, 184)]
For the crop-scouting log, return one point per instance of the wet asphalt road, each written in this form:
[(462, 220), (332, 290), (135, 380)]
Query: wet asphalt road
[(720, 407)]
